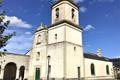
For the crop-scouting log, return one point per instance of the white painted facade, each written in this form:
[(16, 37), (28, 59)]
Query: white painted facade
[(62, 41), (100, 69), (19, 60)]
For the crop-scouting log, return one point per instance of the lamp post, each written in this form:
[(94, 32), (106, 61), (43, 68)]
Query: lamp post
[(48, 57)]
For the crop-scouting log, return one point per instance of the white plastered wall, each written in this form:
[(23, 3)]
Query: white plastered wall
[(100, 69), (19, 60), (42, 49), (74, 58), (64, 60)]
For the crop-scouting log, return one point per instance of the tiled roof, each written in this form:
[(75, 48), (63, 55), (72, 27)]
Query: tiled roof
[(66, 21), (96, 57), (8, 53)]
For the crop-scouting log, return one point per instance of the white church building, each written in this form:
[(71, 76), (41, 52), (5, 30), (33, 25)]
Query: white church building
[(57, 52)]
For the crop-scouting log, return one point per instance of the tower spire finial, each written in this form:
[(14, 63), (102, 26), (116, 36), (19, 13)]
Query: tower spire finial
[(41, 24)]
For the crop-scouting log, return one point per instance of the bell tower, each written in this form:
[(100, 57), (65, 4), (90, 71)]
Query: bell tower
[(65, 41), (65, 10)]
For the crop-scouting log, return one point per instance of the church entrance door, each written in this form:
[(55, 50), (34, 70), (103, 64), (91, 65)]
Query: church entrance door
[(37, 74), (10, 71)]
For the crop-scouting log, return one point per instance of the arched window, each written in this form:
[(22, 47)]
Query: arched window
[(57, 13), (107, 70), (92, 69), (21, 72), (73, 13), (39, 39), (38, 56)]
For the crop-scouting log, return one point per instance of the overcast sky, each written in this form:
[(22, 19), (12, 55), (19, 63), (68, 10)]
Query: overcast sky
[(100, 20)]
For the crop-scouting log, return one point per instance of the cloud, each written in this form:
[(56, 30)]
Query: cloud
[(38, 14), (7, 31), (28, 33), (83, 9), (16, 22), (100, 1), (19, 44), (77, 1), (89, 27), (93, 1), (105, 0), (116, 56), (88, 45), (106, 15)]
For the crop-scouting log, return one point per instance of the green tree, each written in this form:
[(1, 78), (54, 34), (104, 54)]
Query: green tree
[(0, 1), (3, 26)]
